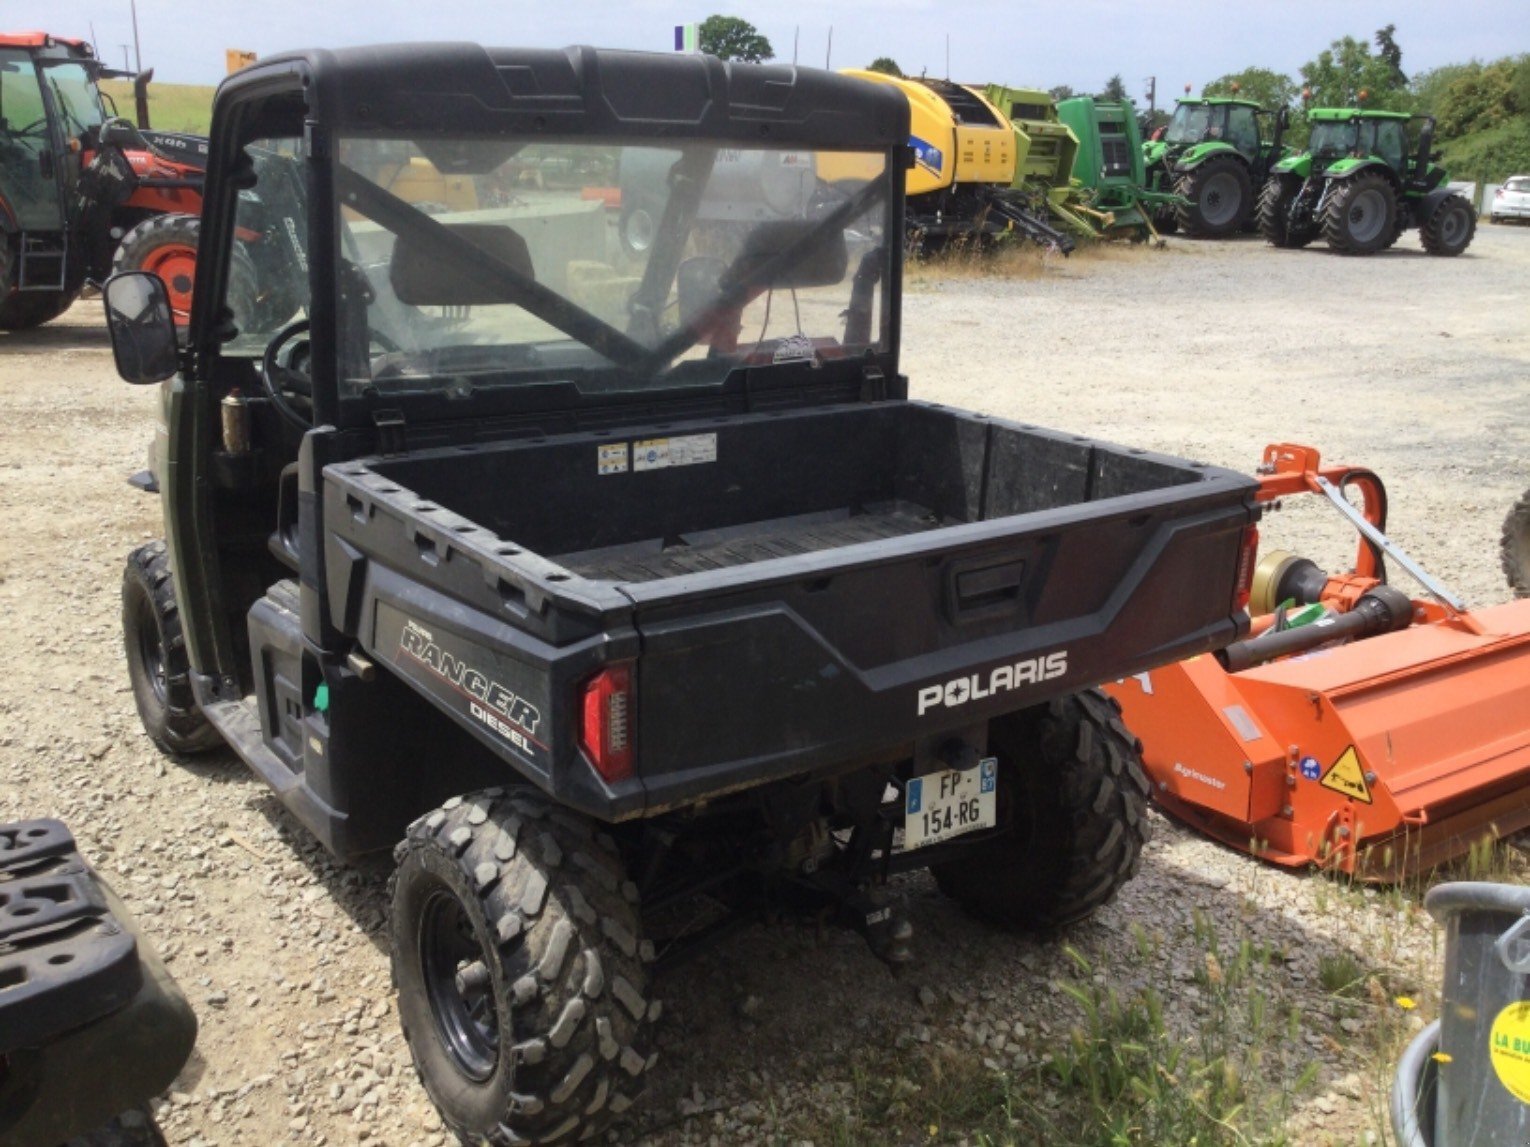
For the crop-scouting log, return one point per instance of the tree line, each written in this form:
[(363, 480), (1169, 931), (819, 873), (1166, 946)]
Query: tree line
[(1482, 109)]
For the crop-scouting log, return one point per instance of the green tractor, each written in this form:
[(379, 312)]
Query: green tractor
[(1359, 187), (1214, 152)]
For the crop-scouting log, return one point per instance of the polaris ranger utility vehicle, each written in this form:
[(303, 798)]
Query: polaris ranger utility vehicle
[(1215, 153), (1358, 187), (611, 580)]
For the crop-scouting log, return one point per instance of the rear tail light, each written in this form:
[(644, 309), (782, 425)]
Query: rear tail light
[(1248, 555), (606, 732)]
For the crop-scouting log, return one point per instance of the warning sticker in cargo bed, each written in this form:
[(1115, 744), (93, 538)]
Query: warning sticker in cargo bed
[(612, 458), (659, 453)]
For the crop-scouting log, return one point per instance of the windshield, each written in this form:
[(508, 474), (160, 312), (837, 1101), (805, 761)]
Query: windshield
[(1332, 138), (1194, 122), (616, 267), (79, 103)]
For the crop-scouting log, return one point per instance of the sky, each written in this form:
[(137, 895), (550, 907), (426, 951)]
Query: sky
[(1019, 42)]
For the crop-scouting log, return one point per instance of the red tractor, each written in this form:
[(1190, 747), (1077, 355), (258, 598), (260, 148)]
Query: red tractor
[(82, 190)]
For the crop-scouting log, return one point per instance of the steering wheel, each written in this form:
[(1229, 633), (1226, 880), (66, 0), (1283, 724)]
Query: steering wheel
[(276, 378)]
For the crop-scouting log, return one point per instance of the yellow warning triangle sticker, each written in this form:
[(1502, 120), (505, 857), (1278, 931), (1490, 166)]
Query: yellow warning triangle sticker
[(1345, 776)]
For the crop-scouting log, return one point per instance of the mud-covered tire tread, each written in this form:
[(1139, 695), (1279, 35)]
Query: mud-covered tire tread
[(176, 725), (1271, 215), (1336, 231), (1431, 233), (1191, 221), (578, 1046), (1514, 546), (1089, 798)]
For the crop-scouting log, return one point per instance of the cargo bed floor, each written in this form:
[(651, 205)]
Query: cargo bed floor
[(690, 553)]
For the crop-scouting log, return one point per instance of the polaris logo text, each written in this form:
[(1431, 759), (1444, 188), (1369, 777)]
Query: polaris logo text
[(489, 701), (1004, 679)]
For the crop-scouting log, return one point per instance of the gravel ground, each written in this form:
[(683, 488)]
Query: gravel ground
[(1416, 367)]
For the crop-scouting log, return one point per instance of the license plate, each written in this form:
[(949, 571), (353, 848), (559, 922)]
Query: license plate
[(945, 805)]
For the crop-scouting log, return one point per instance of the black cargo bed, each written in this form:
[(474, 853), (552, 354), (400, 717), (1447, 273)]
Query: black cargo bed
[(704, 550)]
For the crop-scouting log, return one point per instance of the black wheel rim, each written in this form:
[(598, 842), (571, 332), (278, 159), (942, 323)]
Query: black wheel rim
[(458, 986), (151, 651)]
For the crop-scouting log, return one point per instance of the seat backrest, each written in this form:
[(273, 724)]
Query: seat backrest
[(422, 278)]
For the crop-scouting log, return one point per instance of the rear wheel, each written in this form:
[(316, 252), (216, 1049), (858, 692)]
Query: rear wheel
[(1274, 213), (1221, 196), (1361, 216), (167, 246), (1514, 548), (158, 664), (1450, 229), (520, 970), (1073, 795)]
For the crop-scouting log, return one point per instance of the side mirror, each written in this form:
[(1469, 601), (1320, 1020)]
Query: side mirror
[(142, 327)]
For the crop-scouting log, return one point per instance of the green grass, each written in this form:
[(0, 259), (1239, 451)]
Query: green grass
[(1120, 1077), (1490, 156), (172, 107)]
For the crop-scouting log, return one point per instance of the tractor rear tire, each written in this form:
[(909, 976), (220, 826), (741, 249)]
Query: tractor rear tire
[(27, 309), (158, 664), (1450, 229), (1274, 213), (1514, 547), (1221, 196), (1073, 794), (520, 968), (1361, 216), (167, 246)]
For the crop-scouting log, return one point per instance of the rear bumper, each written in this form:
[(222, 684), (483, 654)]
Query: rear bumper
[(1509, 210)]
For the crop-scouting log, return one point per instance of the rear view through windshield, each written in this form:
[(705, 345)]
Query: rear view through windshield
[(482, 262)]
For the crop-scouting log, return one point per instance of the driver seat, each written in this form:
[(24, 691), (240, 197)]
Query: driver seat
[(421, 278)]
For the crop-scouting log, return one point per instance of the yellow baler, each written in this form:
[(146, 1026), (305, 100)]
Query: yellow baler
[(965, 164)]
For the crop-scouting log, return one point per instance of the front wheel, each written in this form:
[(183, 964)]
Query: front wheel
[(1275, 216), (519, 963), (1072, 800), (165, 245), (1361, 216), (158, 665), (1221, 195), (1449, 230)]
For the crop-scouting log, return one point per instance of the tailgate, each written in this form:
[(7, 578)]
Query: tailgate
[(760, 671)]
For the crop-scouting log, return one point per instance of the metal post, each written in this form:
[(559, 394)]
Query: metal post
[(125, 61), (829, 51), (137, 55)]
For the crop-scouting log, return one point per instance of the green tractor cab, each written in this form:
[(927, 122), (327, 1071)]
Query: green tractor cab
[(1214, 152), (1361, 183)]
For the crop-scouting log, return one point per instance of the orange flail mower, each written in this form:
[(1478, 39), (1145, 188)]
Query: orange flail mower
[(1355, 727)]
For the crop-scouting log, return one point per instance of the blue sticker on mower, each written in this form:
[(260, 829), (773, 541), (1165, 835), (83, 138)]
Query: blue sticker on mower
[(915, 796), (1311, 770)]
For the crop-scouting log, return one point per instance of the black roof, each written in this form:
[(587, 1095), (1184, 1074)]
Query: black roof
[(467, 89)]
